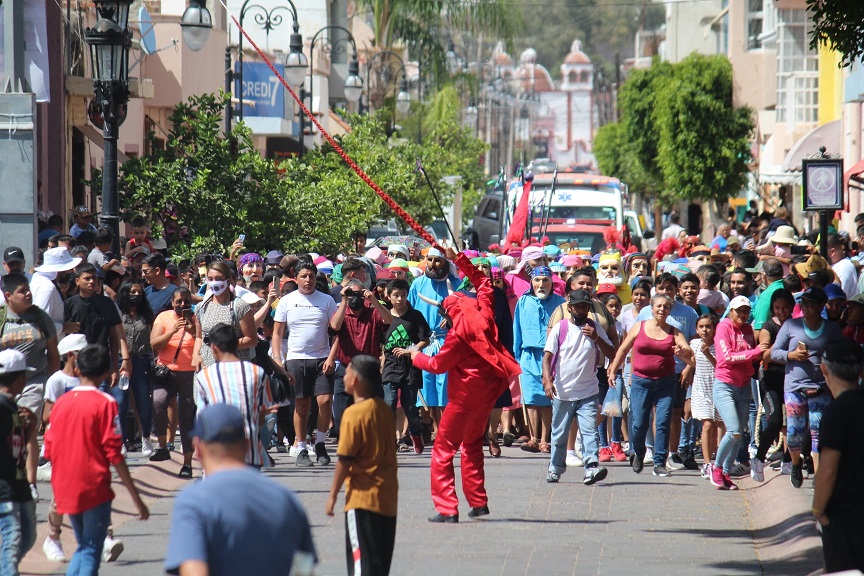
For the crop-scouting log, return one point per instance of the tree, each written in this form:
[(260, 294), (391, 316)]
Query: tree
[(838, 24)]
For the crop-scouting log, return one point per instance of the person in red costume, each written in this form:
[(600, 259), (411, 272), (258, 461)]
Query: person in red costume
[(479, 367)]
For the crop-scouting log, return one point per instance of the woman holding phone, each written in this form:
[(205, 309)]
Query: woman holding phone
[(173, 340), (137, 318)]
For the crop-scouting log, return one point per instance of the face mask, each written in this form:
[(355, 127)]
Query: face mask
[(579, 320), (355, 302), (217, 286), (135, 299)]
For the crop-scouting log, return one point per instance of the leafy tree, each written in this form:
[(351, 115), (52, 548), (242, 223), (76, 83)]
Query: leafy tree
[(838, 24)]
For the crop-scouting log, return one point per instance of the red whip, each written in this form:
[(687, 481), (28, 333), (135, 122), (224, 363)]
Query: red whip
[(365, 177)]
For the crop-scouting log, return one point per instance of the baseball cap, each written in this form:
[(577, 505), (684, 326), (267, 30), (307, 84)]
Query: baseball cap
[(13, 254), (71, 343), (834, 292), (12, 360), (844, 351), (815, 294), (740, 302), (858, 299), (219, 423), (273, 257), (606, 289), (82, 210), (579, 297)]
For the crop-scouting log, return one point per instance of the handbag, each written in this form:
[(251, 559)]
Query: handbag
[(160, 373)]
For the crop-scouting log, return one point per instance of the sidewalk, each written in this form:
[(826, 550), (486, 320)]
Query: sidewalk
[(626, 524)]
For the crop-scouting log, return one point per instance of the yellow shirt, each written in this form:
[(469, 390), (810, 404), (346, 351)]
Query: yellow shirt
[(366, 436)]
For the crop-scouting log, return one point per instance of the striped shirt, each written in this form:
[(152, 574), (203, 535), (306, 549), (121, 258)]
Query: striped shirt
[(241, 384)]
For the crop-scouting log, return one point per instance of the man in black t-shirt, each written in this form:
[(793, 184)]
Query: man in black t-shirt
[(838, 498), (99, 319), (408, 330), (17, 509)]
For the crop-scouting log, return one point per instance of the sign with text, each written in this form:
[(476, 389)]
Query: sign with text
[(262, 92), (822, 183)]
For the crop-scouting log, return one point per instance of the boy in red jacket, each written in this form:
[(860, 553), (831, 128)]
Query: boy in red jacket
[(81, 443)]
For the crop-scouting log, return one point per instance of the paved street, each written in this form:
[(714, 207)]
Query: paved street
[(627, 524)]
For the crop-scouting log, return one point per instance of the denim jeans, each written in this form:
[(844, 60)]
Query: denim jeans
[(617, 435), (733, 405), (563, 412), (645, 394), (408, 396), (603, 384), (17, 533), (91, 527), (142, 390)]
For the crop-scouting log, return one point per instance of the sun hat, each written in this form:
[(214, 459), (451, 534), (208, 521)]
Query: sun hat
[(57, 260), (784, 235)]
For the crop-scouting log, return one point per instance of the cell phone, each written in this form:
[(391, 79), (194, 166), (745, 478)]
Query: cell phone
[(187, 314), (242, 237)]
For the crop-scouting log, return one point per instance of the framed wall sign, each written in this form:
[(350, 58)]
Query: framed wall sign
[(822, 183)]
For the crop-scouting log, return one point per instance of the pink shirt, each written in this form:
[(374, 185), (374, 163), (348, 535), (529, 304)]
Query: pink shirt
[(736, 351)]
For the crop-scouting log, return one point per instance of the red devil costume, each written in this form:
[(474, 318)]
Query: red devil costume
[(479, 367)]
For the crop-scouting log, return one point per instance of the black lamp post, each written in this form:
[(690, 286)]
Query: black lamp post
[(381, 61), (109, 42), (353, 82)]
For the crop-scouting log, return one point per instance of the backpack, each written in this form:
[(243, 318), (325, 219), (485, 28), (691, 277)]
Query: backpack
[(562, 336)]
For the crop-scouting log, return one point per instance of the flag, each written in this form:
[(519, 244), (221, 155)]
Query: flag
[(520, 218)]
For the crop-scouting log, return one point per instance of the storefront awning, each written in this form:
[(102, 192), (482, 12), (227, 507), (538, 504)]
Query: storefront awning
[(854, 177), (828, 135), (771, 173)]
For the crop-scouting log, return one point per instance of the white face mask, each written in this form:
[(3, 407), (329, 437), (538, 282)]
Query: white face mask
[(217, 286)]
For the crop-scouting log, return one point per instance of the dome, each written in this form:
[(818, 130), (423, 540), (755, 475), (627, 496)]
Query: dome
[(576, 55), (533, 77), (500, 56), (529, 56)]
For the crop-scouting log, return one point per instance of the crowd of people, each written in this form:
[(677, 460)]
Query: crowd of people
[(743, 353)]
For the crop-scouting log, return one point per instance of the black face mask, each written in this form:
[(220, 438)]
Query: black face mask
[(579, 320), (355, 302), (135, 299)]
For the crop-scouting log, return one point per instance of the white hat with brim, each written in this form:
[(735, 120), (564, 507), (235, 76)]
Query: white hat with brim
[(71, 343), (740, 302), (784, 235), (251, 298), (12, 360), (57, 260)]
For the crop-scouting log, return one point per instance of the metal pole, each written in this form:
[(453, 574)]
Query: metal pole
[(110, 196), (823, 233), (239, 89), (438, 203), (229, 106), (302, 116)]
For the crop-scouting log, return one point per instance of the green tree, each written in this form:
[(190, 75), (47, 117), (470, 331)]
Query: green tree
[(838, 24)]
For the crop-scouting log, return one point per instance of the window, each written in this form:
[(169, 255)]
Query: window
[(754, 24), (797, 70), (491, 209), (571, 77)]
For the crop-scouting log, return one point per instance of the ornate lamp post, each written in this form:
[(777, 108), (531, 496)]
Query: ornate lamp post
[(381, 61), (109, 42), (196, 24), (353, 82)]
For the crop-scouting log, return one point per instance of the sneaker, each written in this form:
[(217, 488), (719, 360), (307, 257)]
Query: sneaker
[(786, 468), (185, 471), (649, 456), (774, 455), (321, 454), (43, 472), (740, 469), (618, 452), (124, 450), (112, 549), (417, 442), (53, 550), (507, 439), (706, 471), (146, 447), (294, 451), (662, 471), (717, 478), (636, 463), (160, 455), (757, 470), (797, 475), (752, 452), (572, 461), (605, 454), (728, 482), (281, 448), (594, 474), (34, 492), (170, 446), (303, 459), (552, 477), (675, 462)]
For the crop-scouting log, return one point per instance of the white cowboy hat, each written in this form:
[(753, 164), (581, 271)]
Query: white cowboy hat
[(784, 235), (57, 260)]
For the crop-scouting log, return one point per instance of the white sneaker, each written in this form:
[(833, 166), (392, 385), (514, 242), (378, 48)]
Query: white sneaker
[(43, 472), (752, 451), (146, 446), (112, 549), (649, 456), (294, 451), (53, 550), (757, 470), (786, 468), (572, 461), (123, 450)]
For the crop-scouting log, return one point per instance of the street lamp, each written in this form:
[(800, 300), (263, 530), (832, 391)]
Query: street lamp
[(109, 42), (295, 63), (454, 61), (381, 61), (472, 114), (403, 98), (196, 24), (353, 82)]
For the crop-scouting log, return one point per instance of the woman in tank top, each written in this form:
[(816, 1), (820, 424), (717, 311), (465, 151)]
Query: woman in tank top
[(655, 343)]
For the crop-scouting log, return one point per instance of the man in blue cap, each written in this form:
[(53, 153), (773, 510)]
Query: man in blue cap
[(264, 532)]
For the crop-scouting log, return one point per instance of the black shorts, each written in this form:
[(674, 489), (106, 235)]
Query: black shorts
[(680, 394), (309, 378)]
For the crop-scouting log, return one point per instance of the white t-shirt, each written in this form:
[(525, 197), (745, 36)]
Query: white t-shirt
[(847, 277), (58, 384), (306, 319), (576, 369)]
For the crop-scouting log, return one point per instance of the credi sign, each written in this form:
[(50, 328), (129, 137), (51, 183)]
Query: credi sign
[(263, 94)]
